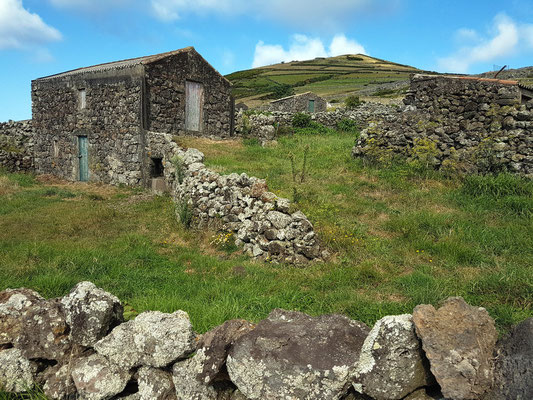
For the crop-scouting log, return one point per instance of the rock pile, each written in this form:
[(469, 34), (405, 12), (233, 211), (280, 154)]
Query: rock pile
[(288, 355), (464, 125), (264, 225)]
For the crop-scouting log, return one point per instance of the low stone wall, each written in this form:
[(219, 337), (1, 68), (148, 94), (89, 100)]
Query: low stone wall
[(263, 224), (79, 346), (16, 146), (263, 125), (460, 124)]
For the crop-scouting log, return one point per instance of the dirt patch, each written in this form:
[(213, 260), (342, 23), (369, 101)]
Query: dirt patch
[(7, 186), (210, 147)]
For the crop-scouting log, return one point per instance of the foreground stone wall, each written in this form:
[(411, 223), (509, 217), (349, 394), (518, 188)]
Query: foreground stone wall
[(462, 124), (16, 146), (264, 125), (266, 226), (79, 346)]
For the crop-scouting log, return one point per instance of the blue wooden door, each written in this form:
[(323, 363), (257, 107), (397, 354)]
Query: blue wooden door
[(83, 156), (311, 107)]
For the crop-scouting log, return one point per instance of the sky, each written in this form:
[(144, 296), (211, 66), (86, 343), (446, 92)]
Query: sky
[(44, 37)]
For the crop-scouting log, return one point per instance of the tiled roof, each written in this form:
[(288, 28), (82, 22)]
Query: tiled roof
[(118, 65)]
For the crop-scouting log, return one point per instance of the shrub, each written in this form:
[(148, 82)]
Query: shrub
[(347, 125), (301, 120), (184, 212), (282, 90), (179, 167), (352, 102)]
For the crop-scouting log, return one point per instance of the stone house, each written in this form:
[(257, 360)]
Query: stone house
[(92, 123), (305, 102)]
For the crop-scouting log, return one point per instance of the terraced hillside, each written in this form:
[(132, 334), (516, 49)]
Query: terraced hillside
[(334, 78)]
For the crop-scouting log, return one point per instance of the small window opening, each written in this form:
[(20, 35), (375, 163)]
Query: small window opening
[(56, 149), (83, 98), (156, 167)]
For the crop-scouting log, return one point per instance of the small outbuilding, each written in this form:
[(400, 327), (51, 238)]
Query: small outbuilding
[(91, 123), (305, 102)]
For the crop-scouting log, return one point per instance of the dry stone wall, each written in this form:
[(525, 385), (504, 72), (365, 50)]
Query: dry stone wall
[(265, 225), (299, 103), (445, 353), (461, 124), (16, 146), (264, 125)]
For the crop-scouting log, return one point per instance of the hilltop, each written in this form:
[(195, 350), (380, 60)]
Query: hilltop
[(333, 78)]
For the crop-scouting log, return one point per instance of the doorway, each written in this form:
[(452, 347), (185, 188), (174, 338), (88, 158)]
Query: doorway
[(194, 102), (83, 157)]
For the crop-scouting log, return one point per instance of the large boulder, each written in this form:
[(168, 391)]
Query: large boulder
[(514, 364), (91, 313), (16, 372), (155, 384), (152, 339), (291, 355), (459, 342), (392, 363), (14, 303), (96, 378)]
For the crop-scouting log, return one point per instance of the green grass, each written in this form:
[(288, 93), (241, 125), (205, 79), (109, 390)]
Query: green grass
[(398, 236)]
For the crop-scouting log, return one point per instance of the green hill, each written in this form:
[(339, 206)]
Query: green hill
[(333, 78)]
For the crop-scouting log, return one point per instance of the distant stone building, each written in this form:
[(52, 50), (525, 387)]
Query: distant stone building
[(305, 102), (92, 123)]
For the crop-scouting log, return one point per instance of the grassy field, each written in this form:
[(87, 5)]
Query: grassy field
[(332, 77), (399, 236)]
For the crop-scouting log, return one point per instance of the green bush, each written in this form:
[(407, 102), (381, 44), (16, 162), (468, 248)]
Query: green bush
[(301, 120), (184, 212), (179, 167), (347, 125), (352, 102), (282, 90)]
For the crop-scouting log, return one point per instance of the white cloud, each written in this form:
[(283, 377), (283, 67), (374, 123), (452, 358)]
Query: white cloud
[(304, 48), (508, 38), (305, 13), (19, 28)]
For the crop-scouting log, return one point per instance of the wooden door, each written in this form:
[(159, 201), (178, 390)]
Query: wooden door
[(83, 157), (194, 103), (311, 106)]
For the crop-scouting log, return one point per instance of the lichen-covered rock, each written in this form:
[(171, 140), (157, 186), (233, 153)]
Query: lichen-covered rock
[(152, 339), (155, 384), (14, 303), (44, 332), (58, 383), (185, 376), (16, 371), (459, 342), (216, 343), (392, 363), (96, 378), (91, 313), (291, 355), (514, 364)]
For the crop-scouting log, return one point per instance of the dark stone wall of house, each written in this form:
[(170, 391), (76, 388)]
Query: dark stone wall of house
[(459, 124), (16, 146), (298, 103), (165, 85), (111, 121)]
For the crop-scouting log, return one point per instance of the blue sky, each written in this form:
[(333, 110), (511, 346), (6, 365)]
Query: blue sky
[(43, 37)]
